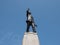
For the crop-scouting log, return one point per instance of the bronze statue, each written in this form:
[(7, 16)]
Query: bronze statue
[(30, 21)]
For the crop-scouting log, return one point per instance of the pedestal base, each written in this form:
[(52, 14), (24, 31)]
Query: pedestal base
[(30, 38)]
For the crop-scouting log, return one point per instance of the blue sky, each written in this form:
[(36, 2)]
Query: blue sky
[(13, 16)]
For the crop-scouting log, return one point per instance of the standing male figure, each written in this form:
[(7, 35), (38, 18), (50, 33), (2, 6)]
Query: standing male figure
[(30, 21)]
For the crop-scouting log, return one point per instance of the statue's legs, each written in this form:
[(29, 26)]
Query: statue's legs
[(28, 26), (33, 27)]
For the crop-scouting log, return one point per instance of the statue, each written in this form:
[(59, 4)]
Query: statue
[(30, 21)]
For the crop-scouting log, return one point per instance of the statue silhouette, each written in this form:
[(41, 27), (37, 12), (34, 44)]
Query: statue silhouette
[(30, 21)]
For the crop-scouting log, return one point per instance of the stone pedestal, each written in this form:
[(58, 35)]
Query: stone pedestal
[(30, 38)]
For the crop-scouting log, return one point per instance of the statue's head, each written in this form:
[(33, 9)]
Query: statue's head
[(29, 11)]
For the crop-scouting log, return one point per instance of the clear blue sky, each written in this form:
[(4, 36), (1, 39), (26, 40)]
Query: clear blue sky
[(13, 15)]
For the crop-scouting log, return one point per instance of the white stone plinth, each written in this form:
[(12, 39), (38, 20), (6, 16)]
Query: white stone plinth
[(30, 38)]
